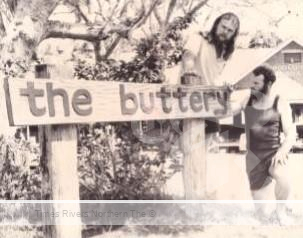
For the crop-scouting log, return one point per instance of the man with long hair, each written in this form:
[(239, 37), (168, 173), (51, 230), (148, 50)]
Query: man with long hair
[(205, 57), (267, 115), (206, 54)]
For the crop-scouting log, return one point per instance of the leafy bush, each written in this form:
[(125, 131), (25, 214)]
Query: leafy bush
[(153, 54), (18, 179), (114, 165), (265, 40)]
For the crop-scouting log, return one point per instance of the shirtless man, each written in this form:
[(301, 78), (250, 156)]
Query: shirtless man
[(266, 116)]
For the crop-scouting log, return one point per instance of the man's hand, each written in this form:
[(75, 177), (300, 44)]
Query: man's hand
[(230, 88), (278, 167), (280, 158), (188, 62)]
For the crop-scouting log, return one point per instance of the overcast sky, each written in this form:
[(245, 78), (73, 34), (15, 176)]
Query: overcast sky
[(284, 17)]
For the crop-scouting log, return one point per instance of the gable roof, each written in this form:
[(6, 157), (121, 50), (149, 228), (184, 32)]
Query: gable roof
[(244, 61), (284, 84)]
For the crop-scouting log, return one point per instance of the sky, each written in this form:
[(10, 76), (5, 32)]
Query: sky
[(283, 17)]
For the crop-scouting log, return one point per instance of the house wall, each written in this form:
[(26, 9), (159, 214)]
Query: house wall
[(292, 70), (295, 72)]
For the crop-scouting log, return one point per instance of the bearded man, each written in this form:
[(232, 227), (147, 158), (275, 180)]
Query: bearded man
[(205, 57)]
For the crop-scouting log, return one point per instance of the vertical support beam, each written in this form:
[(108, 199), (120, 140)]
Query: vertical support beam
[(27, 133), (59, 166), (63, 174), (194, 149)]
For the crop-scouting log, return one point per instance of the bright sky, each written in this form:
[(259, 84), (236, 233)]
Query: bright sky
[(262, 15)]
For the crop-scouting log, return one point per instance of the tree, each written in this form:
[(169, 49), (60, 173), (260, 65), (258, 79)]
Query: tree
[(264, 40), (25, 24)]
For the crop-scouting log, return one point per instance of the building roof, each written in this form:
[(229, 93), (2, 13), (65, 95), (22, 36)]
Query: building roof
[(284, 84), (243, 61)]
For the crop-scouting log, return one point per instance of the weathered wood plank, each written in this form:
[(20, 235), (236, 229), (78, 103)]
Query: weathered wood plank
[(8, 102), (63, 169), (59, 165), (75, 101)]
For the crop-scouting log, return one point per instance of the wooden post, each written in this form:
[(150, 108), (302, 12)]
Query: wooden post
[(63, 173), (27, 133), (194, 149), (60, 172)]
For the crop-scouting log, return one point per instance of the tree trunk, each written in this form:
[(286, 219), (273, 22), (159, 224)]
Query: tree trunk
[(26, 29)]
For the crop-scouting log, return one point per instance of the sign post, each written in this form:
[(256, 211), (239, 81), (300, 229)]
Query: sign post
[(63, 171), (58, 162), (57, 105), (194, 149)]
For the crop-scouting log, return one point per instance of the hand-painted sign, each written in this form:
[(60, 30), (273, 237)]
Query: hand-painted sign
[(34, 102)]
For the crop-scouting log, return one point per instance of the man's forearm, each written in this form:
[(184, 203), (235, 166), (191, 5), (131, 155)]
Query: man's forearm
[(289, 141)]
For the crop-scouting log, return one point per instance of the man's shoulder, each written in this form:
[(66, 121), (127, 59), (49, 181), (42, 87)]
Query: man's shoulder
[(194, 39), (242, 97)]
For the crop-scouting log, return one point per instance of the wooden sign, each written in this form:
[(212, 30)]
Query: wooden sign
[(37, 102)]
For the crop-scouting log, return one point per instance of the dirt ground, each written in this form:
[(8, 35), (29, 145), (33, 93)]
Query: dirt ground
[(216, 232), (227, 179)]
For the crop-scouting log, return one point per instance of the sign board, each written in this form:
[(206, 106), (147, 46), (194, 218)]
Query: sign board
[(37, 102)]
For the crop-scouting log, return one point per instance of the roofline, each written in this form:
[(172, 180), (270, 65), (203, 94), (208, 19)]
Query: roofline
[(295, 101), (270, 54)]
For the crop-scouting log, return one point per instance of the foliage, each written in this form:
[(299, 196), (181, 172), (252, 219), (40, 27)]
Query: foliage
[(14, 68), (20, 231), (265, 40), (114, 165), (18, 179), (153, 54)]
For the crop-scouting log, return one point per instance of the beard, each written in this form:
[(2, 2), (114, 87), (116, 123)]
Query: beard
[(257, 94), (221, 38), (220, 44), (224, 47)]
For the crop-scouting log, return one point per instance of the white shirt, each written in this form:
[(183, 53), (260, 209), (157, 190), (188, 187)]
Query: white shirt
[(201, 57)]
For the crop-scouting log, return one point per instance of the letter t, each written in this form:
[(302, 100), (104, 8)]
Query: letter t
[(31, 93)]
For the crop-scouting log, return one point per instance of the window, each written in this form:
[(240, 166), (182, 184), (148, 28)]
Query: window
[(291, 58)]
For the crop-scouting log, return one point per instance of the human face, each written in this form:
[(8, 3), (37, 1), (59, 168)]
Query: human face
[(226, 29), (257, 83), (259, 87)]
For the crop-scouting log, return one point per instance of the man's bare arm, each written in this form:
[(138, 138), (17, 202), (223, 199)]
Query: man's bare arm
[(288, 126), (289, 131), (238, 101)]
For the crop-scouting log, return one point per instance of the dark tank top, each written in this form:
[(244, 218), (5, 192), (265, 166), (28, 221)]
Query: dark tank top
[(263, 128)]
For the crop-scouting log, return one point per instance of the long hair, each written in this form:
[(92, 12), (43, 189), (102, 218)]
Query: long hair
[(229, 46)]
